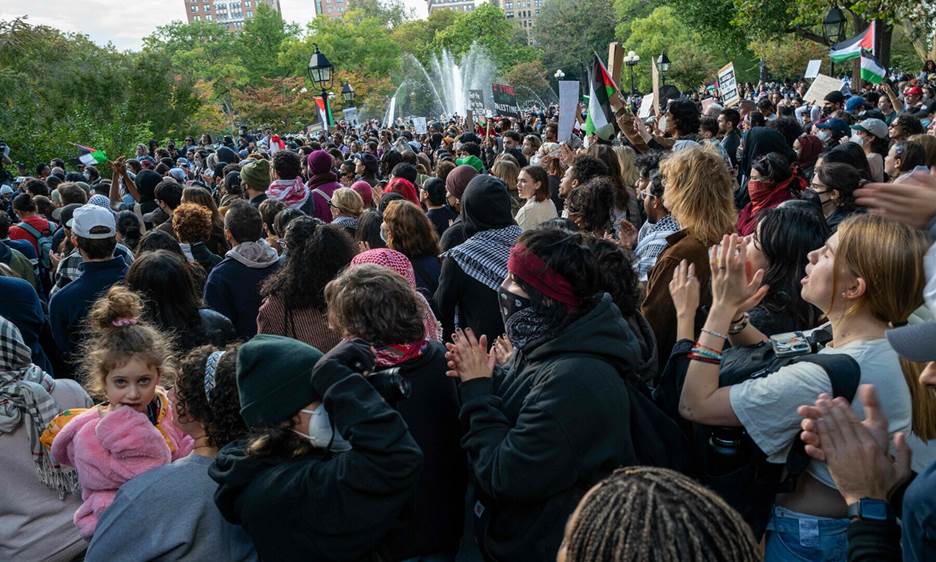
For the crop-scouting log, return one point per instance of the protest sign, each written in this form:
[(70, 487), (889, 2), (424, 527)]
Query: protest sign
[(419, 125), (568, 104), (728, 85), (821, 86), (476, 101), (351, 116), (646, 106), (505, 100), (812, 69)]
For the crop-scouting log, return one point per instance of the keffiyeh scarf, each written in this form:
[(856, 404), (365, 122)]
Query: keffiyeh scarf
[(484, 256), (292, 192)]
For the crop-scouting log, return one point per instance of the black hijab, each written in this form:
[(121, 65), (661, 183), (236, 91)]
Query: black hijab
[(146, 182), (485, 205), (759, 141)]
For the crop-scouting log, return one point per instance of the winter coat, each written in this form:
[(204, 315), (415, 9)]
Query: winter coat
[(540, 434), (233, 286), (323, 506)]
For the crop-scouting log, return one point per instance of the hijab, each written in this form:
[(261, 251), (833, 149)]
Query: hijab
[(485, 205), (758, 142)]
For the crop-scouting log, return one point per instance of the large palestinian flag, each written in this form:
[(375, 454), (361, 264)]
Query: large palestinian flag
[(852, 48), (600, 118), (325, 112)]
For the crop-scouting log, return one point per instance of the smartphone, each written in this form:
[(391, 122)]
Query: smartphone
[(790, 344)]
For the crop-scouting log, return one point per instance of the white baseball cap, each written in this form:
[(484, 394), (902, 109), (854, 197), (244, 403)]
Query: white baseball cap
[(88, 217)]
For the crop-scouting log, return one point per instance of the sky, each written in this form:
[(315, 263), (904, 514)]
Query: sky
[(125, 22)]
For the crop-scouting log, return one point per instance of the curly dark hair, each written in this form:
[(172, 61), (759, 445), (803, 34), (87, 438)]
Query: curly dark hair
[(376, 304), (315, 254), (287, 164), (686, 115), (409, 230), (218, 412), (191, 223), (590, 204), (618, 277)]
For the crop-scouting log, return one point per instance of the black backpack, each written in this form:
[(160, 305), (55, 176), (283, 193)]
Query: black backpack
[(726, 459)]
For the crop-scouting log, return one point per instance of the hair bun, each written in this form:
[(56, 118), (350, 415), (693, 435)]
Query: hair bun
[(119, 307)]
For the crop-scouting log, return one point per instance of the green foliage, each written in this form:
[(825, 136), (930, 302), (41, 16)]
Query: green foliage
[(418, 36), (788, 56), (530, 77), (569, 32), (487, 26)]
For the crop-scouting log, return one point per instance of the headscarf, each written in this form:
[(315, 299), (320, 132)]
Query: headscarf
[(490, 232), (758, 142), (26, 397), (320, 169), (396, 261), (810, 148), (457, 180), (405, 188), (366, 192), (146, 182)]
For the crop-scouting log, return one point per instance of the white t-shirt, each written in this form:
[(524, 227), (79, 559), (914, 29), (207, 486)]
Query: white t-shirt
[(767, 406)]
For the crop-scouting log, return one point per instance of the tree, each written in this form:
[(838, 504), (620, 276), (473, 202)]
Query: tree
[(418, 36), (392, 11), (532, 77), (569, 32), (487, 26), (788, 56), (279, 103), (260, 41)]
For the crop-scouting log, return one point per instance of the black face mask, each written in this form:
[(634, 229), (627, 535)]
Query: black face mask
[(510, 303), (812, 197)]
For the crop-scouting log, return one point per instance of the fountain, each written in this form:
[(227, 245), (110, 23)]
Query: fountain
[(443, 87)]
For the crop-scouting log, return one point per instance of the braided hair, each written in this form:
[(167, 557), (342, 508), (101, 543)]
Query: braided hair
[(649, 514)]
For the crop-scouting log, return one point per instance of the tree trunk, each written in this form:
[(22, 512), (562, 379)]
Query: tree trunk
[(883, 47)]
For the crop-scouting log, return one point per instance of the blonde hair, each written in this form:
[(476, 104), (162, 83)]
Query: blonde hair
[(627, 160), (348, 201), (507, 171), (118, 335), (700, 193)]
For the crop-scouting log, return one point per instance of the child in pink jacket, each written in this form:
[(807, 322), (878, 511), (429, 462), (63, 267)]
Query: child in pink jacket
[(133, 430)]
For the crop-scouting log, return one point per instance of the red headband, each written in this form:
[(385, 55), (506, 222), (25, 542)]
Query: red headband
[(533, 271)]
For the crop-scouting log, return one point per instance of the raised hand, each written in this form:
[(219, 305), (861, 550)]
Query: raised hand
[(684, 290), (468, 357), (731, 288)]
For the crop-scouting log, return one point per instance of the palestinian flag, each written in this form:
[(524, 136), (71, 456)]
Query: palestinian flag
[(871, 70), (91, 156), (325, 112), (600, 118), (853, 48)]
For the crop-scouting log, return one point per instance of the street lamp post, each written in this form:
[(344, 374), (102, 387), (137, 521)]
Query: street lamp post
[(631, 61), (320, 71), (663, 65), (833, 28), (348, 93)]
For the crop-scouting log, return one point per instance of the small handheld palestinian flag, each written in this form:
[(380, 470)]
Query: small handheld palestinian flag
[(91, 156), (853, 48), (600, 118), (871, 70)]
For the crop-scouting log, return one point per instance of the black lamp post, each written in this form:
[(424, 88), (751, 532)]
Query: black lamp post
[(348, 93), (631, 61), (663, 64), (833, 29), (320, 71)]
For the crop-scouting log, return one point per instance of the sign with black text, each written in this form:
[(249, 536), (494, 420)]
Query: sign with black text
[(505, 100), (476, 101), (728, 85)]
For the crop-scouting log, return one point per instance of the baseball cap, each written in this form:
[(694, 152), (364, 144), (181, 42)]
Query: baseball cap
[(835, 97), (913, 91), (854, 104), (916, 342), (875, 127), (6, 190), (88, 217), (835, 124)]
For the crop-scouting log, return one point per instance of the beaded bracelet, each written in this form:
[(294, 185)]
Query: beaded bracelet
[(714, 333), (699, 345), (704, 352)]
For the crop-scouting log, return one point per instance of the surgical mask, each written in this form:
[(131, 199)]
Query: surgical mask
[(321, 434), (824, 136), (510, 303), (857, 139)]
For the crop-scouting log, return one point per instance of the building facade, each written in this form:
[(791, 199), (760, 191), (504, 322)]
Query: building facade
[(523, 12), (459, 5), (230, 13), (330, 8)]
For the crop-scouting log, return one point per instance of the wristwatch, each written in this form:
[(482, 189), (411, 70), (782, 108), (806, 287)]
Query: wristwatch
[(869, 509)]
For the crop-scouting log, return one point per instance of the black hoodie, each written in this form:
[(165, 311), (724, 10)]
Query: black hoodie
[(321, 506), (541, 434)]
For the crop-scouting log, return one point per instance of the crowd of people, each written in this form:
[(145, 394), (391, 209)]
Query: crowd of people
[(711, 337)]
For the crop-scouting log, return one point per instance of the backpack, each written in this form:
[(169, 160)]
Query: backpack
[(726, 459), (44, 241)]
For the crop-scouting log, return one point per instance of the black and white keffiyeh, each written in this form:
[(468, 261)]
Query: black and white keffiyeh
[(484, 256)]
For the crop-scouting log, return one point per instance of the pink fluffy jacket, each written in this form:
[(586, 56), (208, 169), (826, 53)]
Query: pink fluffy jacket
[(108, 451)]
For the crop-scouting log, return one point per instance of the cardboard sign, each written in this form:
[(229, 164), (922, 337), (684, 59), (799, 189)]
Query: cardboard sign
[(419, 125), (821, 86), (351, 116), (505, 100), (476, 101), (568, 104), (812, 69), (728, 85), (646, 106)]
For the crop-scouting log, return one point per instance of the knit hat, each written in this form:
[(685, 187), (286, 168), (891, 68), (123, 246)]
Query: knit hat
[(274, 379), (256, 174), (319, 162), (364, 190), (457, 180), (472, 161)]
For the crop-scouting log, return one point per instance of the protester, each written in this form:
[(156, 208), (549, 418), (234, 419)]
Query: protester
[(660, 224), (233, 286), (294, 296), (833, 188), (590, 206), (432, 196), (255, 177), (322, 184), (533, 187), (287, 185), (771, 182), (215, 243), (407, 229), (455, 185), (346, 208), (175, 501)]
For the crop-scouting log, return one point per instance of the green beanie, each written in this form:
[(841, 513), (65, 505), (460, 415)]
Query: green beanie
[(274, 379), (256, 174), (472, 161)]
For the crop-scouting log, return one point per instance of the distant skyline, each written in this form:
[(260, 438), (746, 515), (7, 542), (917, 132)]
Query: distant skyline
[(126, 22)]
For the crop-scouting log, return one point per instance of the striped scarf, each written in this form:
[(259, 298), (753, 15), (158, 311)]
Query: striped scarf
[(25, 397), (484, 256)]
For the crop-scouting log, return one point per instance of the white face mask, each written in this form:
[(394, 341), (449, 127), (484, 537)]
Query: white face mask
[(857, 139), (320, 433)]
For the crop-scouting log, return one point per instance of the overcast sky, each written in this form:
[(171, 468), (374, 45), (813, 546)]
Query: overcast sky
[(126, 22)]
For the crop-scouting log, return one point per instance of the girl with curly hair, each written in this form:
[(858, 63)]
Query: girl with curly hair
[(293, 297)]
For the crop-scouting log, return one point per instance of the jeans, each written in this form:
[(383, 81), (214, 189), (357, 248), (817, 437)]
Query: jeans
[(796, 537)]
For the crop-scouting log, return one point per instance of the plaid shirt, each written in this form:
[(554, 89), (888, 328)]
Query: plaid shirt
[(651, 241), (68, 268)]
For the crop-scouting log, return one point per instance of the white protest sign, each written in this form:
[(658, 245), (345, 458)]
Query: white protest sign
[(568, 104), (812, 69), (419, 125), (821, 86), (646, 106), (728, 85)]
